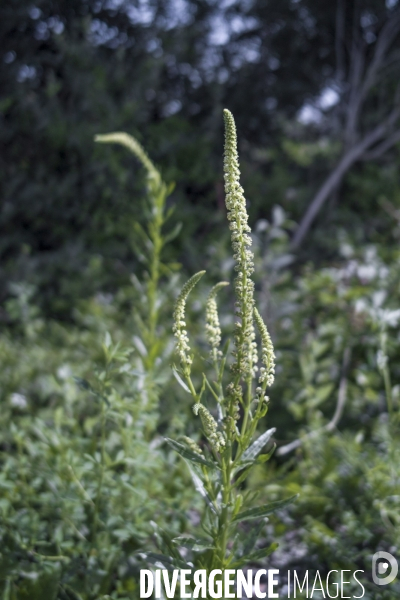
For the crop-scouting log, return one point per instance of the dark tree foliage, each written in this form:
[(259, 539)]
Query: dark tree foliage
[(162, 70)]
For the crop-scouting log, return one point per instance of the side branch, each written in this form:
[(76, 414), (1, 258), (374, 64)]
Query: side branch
[(377, 152), (341, 401), (353, 155)]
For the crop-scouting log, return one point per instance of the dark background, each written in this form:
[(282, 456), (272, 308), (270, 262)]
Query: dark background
[(306, 81)]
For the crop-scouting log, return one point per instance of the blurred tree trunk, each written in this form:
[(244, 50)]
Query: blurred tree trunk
[(365, 77)]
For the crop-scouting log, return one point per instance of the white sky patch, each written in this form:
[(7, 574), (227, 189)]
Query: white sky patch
[(172, 107), (312, 112), (142, 13), (219, 35), (26, 72), (9, 57), (309, 114), (328, 98), (223, 28)]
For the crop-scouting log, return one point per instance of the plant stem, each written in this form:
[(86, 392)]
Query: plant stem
[(388, 390), (224, 520), (101, 478), (154, 271)]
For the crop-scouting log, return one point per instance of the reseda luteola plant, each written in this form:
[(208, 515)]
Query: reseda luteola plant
[(149, 241), (158, 192), (222, 464)]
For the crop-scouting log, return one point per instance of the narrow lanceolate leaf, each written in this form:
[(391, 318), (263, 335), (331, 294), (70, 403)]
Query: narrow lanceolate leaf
[(197, 545), (164, 543), (190, 455), (198, 484), (262, 458), (85, 385), (261, 553), (264, 510), (172, 234), (255, 556), (250, 537), (244, 474), (68, 594), (169, 562), (254, 450), (180, 380)]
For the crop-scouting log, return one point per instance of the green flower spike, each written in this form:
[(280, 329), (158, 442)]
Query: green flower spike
[(191, 444), (244, 337), (182, 344), (213, 329), (267, 373), (215, 437)]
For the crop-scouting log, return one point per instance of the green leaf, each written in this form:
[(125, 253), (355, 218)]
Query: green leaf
[(264, 457), (197, 545), (142, 235), (205, 380), (172, 234), (107, 340), (170, 189), (322, 393), (165, 543), (255, 556), (250, 536), (244, 474), (83, 384), (262, 552), (44, 586), (66, 593), (168, 562), (264, 510), (189, 454), (199, 486), (225, 348), (180, 380), (139, 345), (254, 450), (170, 267)]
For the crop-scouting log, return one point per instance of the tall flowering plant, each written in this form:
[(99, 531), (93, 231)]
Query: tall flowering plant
[(230, 403)]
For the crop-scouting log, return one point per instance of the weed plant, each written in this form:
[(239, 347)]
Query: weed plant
[(87, 483), (231, 402), (83, 470), (346, 321)]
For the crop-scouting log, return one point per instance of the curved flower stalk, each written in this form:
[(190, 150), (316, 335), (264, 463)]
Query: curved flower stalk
[(229, 450), (124, 139), (149, 240)]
